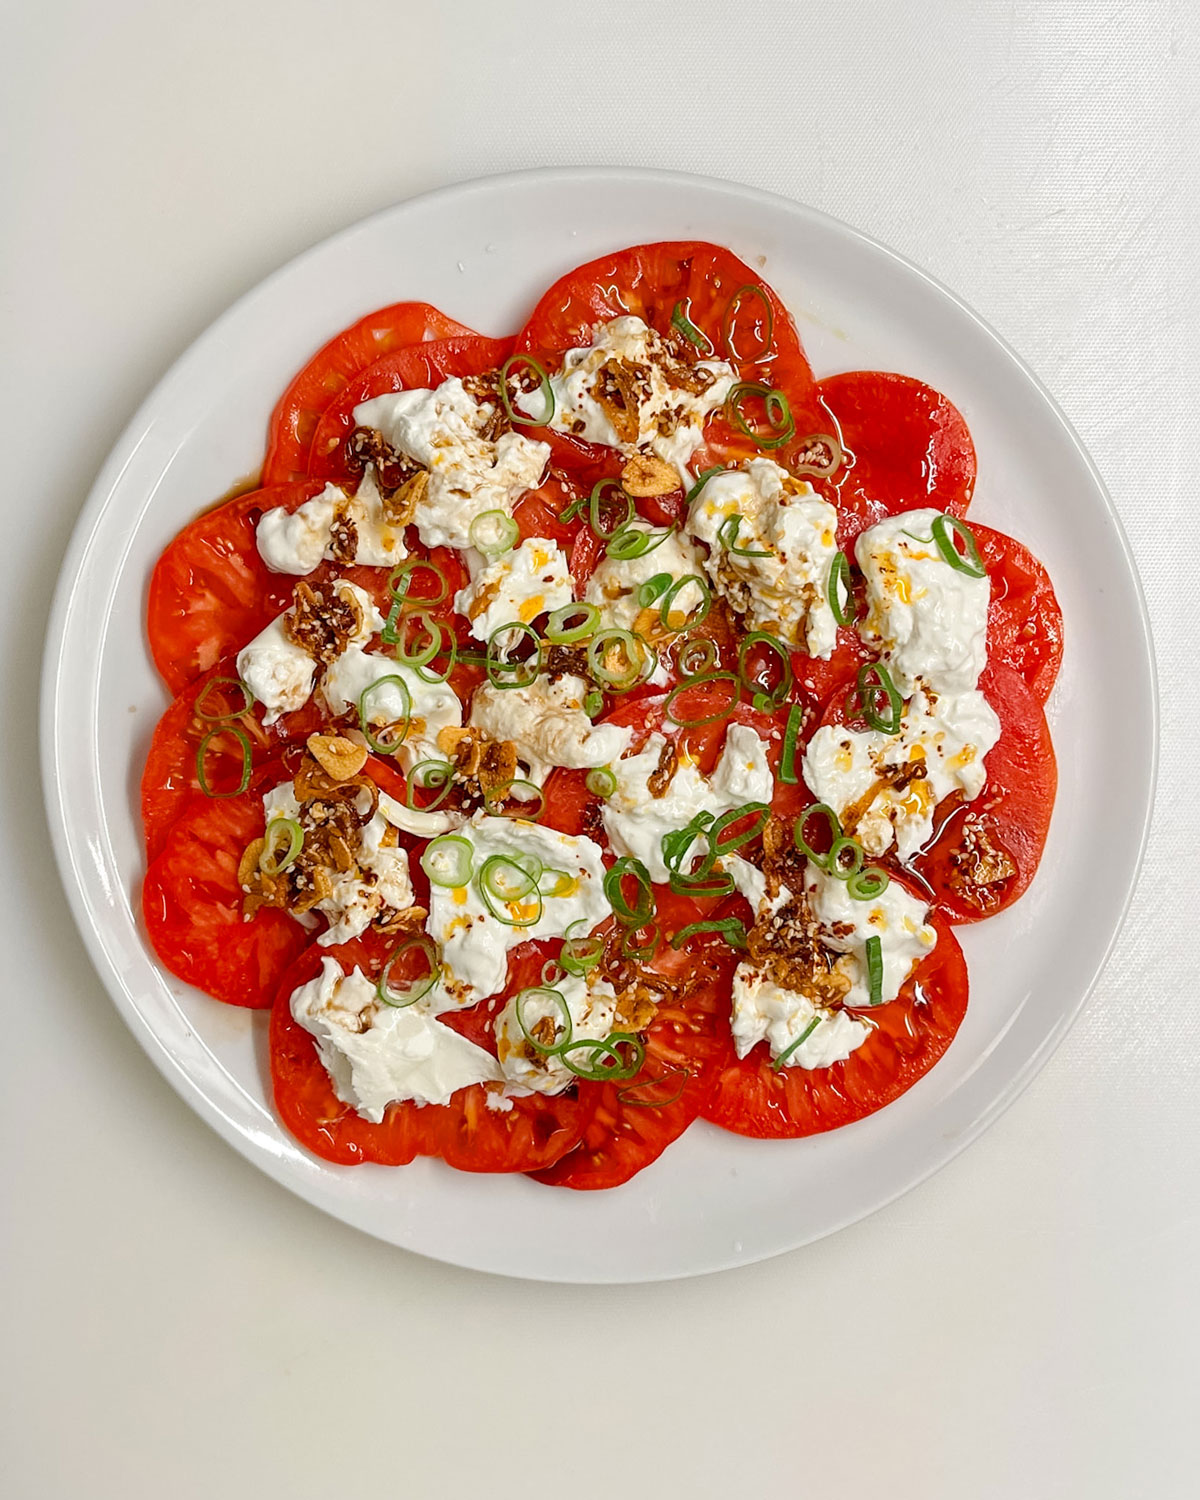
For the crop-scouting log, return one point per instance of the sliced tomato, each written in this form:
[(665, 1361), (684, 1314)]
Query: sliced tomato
[(906, 446), (911, 1033), (718, 293), (1013, 811), (171, 777), (325, 376), (469, 1135), (192, 902), (419, 367), (687, 1044), (1025, 624), (210, 591)]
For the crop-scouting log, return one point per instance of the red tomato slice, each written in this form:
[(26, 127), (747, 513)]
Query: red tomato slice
[(192, 902), (651, 282), (531, 1135), (1025, 624), (320, 382), (906, 447), (170, 778), (631, 1124), (419, 367), (751, 1098), (210, 591), (1013, 810)]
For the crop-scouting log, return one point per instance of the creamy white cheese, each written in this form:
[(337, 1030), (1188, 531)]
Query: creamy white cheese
[(432, 706), (670, 419), (635, 820), (475, 945), (280, 673), (300, 541), (591, 1003), (529, 581), (748, 880), (378, 1054), (950, 735), (927, 619), (547, 724), (614, 585), (765, 1011), (786, 591), (468, 473), (896, 918)]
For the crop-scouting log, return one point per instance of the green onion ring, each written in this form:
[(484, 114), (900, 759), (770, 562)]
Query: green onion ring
[(425, 774), (730, 928), (863, 700), (697, 656), (247, 761), (653, 589), (401, 577), (579, 954), (390, 635), (759, 811), (782, 425), (502, 671), (791, 734), (945, 530), (702, 885), (702, 609), (681, 320), (618, 1069), (680, 1071), (553, 973), (448, 861), (226, 713), (702, 479), (840, 590), (379, 747), (564, 881), (875, 969), (271, 861), (494, 800), (774, 696), (641, 944), (630, 868), (781, 1061), (451, 652), (504, 533), (868, 883), (727, 536), (544, 992), (596, 501), (491, 890), (417, 987), (835, 863), (635, 541), (799, 836), (601, 782), (419, 656), (631, 646), (560, 633), (593, 702), (702, 680), (572, 511), (518, 418), (768, 338)]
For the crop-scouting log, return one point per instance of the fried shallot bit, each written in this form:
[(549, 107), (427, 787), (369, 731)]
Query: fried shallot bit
[(400, 505), (784, 943), (890, 778), (658, 783), (646, 476), (482, 764), (339, 757), (635, 1008), (322, 626), (394, 469), (619, 389)]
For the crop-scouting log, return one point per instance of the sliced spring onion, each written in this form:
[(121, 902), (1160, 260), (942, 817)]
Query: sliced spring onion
[(774, 696), (671, 709), (503, 671), (701, 480), (448, 861), (557, 884), (601, 782), (552, 973), (864, 701), (800, 832), (426, 774), (572, 511), (629, 914), (653, 589), (597, 502), (629, 1095), (560, 630), (579, 954), (593, 702), (781, 425), (636, 541), (680, 319), (282, 842), (733, 931), (515, 416), (867, 884), (720, 844), (428, 673), (677, 844), (602, 1061), (727, 534), (390, 634), (665, 615), (696, 656), (767, 337), (529, 800), (544, 993), (782, 1060), (413, 989), (398, 727), (202, 761), (428, 643), (701, 884), (400, 581), (845, 858), (875, 969), (791, 734), (493, 532), (841, 594), (618, 658), (215, 714), (947, 532), (641, 944), (503, 883)]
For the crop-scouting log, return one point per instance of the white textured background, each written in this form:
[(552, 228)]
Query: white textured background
[(1025, 1325)]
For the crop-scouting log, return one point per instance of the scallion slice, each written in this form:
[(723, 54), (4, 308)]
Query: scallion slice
[(597, 502), (427, 774), (618, 658), (773, 696), (696, 656), (701, 480), (800, 832), (448, 861), (781, 1061), (639, 912), (505, 671), (428, 643), (681, 319), (216, 715), (876, 699), (515, 416), (701, 885), (579, 954), (545, 994), (593, 702), (722, 842), (947, 532), (601, 782), (766, 337), (560, 631), (413, 989), (629, 1095), (493, 532), (635, 541), (845, 858), (282, 842), (653, 589), (556, 885), (733, 931), (781, 425), (641, 944), (400, 581), (671, 704), (868, 883), (667, 618), (247, 757), (602, 1061), (840, 590), (529, 799), (397, 727), (788, 773), (875, 969), (502, 882), (727, 534)]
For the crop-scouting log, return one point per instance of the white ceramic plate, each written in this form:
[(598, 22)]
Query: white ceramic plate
[(483, 252)]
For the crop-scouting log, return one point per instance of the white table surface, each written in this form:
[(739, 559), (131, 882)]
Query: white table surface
[(1023, 1325)]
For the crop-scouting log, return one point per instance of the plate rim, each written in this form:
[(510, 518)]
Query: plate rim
[(87, 523)]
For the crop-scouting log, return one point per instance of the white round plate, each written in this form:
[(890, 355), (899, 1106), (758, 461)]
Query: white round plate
[(483, 252)]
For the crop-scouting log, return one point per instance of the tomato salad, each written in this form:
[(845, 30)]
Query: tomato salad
[(588, 731)]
